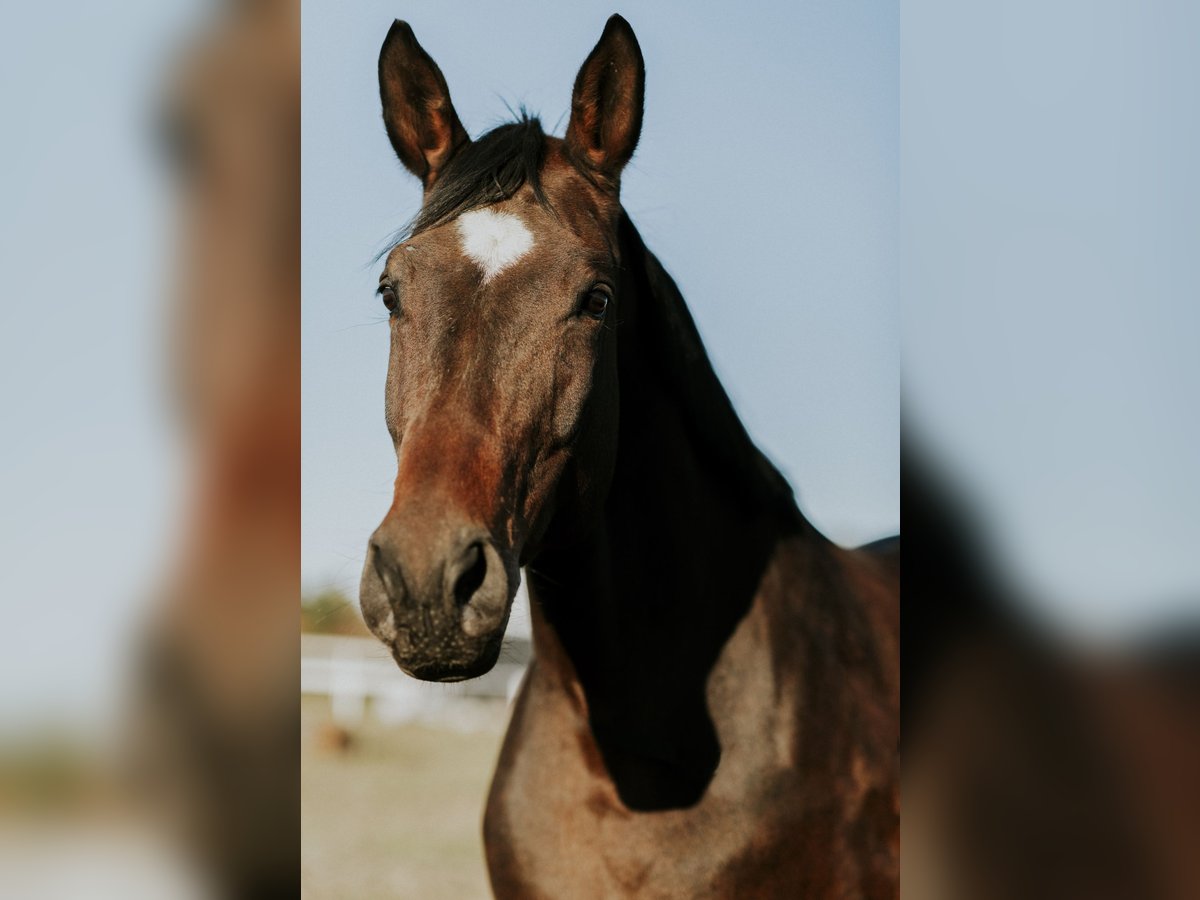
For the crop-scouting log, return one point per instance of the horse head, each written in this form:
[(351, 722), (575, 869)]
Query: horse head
[(501, 393)]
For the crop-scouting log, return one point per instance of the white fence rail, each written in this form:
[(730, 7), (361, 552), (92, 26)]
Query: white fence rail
[(359, 672)]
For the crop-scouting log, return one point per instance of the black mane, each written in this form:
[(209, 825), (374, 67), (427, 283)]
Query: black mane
[(716, 429)]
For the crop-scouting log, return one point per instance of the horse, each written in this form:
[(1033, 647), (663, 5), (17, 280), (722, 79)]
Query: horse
[(712, 709)]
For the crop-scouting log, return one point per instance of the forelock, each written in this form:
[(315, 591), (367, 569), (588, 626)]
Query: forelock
[(487, 171)]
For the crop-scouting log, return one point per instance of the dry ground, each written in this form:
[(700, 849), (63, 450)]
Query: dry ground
[(397, 814)]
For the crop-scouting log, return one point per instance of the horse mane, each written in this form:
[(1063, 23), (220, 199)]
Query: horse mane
[(677, 352)]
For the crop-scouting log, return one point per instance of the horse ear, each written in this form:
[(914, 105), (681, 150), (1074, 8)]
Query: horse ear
[(420, 119), (606, 107)]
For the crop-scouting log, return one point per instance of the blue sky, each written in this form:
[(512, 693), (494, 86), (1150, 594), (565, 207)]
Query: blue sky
[(766, 180)]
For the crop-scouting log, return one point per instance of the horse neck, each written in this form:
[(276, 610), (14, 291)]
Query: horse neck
[(642, 607)]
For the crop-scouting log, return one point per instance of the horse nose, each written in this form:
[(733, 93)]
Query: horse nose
[(459, 574)]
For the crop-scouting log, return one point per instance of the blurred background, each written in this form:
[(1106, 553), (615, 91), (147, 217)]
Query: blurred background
[(90, 481), (1049, 277)]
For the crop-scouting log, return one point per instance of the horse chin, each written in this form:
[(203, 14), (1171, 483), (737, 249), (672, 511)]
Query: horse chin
[(461, 666), (451, 647)]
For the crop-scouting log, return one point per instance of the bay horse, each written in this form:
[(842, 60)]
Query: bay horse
[(712, 708)]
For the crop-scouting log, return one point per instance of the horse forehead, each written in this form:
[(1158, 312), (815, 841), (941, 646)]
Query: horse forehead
[(493, 239)]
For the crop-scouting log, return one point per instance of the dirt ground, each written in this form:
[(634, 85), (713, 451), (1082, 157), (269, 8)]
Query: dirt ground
[(397, 812)]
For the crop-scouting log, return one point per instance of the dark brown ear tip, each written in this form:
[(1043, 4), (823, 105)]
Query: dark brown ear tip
[(400, 31), (618, 28)]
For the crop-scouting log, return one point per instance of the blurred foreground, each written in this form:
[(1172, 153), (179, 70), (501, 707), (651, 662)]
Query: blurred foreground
[(148, 748), (1036, 764), (1051, 493)]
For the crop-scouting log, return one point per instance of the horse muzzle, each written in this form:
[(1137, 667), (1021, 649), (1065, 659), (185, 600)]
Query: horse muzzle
[(439, 597)]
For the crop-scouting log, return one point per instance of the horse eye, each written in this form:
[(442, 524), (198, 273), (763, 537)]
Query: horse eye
[(390, 300), (595, 303)]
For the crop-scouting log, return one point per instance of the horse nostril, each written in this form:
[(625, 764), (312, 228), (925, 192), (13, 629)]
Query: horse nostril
[(471, 574), (384, 569)]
